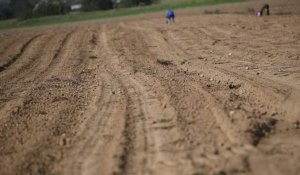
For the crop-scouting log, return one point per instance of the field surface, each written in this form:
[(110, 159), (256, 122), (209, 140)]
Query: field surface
[(208, 95)]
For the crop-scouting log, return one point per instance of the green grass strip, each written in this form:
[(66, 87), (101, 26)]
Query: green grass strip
[(85, 16)]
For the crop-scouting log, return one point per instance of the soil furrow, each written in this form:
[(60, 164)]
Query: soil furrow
[(60, 49), (141, 141), (214, 88), (182, 120), (133, 51), (18, 55)]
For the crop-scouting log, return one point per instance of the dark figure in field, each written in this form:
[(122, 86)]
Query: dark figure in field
[(265, 7), (170, 16)]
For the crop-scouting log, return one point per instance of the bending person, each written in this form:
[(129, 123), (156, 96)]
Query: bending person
[(265, 7), (170, 16)]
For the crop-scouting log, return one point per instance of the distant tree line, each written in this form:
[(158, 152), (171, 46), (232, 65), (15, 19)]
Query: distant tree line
[(24, 9), (5, 11), (89, 5)]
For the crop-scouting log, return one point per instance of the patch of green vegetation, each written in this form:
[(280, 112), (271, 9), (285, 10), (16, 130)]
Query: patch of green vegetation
[(135, 68), (84, 16), (165, 120), (183, 61)]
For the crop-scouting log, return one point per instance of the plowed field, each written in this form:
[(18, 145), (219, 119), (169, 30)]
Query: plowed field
[(208, 95)]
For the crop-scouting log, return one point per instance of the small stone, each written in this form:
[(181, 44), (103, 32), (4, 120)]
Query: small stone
[(231, 113), (201, 75), (63, 140), (230, 54), (211, 79), (247, 68)]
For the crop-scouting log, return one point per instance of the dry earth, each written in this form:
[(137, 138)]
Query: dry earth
[(209, 95)]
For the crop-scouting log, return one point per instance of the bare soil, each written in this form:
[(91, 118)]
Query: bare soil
[(208, 95)]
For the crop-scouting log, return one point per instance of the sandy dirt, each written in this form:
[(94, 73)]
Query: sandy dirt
[(209, 95)]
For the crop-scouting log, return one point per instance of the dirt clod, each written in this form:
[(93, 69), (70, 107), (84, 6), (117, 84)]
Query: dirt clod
[(234, 86), (164, 62)]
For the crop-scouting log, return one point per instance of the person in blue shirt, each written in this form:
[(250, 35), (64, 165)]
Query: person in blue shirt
[(170, 16)]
